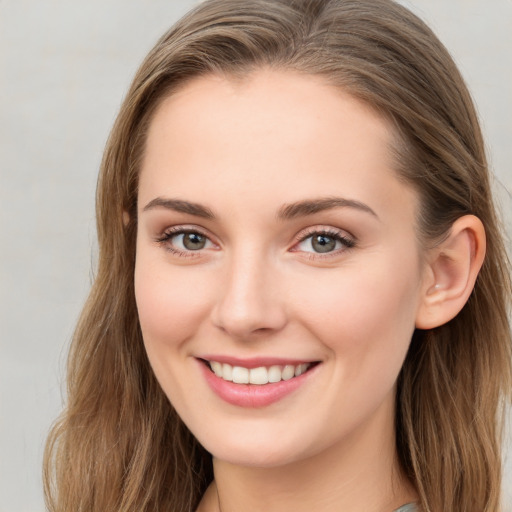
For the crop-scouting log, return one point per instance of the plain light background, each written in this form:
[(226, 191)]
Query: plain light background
[(64, 68)]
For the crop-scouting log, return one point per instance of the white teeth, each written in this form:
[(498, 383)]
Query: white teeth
[(217, 368), (300, 369), (227, 372), (274, 374), (288, 372), (240, 375), (258, 376)]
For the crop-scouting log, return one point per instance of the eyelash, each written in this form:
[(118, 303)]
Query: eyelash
[(347, 242), (167, 235)]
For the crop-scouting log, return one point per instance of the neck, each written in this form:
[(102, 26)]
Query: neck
[(361, 472)]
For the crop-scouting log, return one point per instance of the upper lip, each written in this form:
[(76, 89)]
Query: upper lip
[(255, 362)]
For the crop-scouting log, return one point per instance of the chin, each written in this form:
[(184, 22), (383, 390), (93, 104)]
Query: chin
[(255, 458), (261, 451)]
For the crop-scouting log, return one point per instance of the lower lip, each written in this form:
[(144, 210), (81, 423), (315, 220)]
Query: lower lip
[(253, 395)]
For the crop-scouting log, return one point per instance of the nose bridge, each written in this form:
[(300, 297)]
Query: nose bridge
[(249, 300)]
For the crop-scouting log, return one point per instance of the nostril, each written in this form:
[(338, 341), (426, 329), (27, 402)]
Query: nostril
[(240, 322)]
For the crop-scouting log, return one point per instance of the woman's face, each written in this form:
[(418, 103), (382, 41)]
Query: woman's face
[(276, 249)]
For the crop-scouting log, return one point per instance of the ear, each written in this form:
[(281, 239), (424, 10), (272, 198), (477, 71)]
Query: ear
[(452, 269), (126, 218)]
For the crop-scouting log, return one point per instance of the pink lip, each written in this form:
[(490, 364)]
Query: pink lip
[(252, 395)]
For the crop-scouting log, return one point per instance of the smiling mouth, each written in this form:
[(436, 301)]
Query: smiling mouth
[(259, 376)]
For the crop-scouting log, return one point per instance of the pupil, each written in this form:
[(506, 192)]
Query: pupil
[(322, 243), (194, 241)]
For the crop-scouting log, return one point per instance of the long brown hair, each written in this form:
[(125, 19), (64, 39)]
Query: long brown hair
[(119, 445)]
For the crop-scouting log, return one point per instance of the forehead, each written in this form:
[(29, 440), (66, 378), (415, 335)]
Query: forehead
[(273, 133), (265, 99)]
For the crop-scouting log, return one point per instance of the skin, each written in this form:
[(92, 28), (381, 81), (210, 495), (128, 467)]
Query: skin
[(243, 149)]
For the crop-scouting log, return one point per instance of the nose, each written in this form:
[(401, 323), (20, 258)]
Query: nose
[(250, 301)]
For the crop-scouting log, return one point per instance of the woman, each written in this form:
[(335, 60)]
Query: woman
[(302, 293)]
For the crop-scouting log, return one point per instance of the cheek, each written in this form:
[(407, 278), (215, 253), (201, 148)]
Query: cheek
[(170, 304), (366, 313), (365, 322)]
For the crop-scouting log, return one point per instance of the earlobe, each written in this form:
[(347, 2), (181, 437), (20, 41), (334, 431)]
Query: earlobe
[(453, 267), (126, 218)]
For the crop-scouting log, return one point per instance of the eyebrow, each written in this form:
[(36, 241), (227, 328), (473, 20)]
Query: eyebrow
[(286, 212), (312, 206), (181, 206)]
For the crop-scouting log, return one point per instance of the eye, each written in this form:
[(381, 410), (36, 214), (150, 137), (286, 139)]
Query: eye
[(182, 241), (322, 242), (190, 241)]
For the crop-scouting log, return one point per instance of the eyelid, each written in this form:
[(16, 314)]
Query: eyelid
[(346, 238), (164, 237), (323, 229), (182, 228)]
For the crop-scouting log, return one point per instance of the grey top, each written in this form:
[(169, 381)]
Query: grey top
[(410, 507)]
